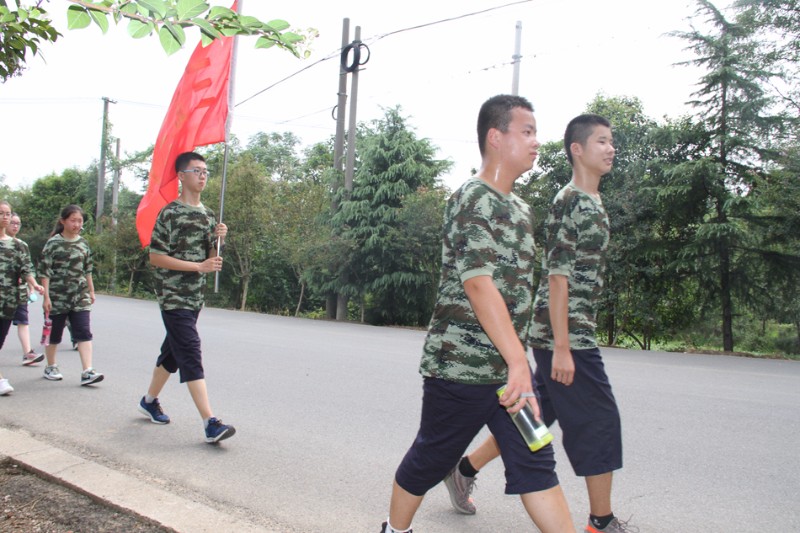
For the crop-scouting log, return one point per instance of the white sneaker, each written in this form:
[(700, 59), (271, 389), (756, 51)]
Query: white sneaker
[(5, 387), (32, 358), (89, 376), (51, 372)]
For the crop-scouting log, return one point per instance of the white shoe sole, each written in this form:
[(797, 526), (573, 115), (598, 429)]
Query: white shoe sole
[(148, 415), (96, 379), (28, 362)]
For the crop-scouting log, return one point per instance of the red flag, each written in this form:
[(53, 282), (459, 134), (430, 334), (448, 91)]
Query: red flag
[(196, 117)]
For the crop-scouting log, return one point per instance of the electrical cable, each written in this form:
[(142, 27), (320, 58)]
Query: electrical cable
[(376, 38)]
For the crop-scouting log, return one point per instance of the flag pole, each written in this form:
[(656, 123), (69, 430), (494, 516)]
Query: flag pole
[(228, 120)]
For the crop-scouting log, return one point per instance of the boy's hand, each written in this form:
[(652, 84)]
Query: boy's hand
[(220, 230), (519, 387), (212, 264), (563, 366)]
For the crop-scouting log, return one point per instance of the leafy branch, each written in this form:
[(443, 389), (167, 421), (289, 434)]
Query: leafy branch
[(23, 30), (170, 18)]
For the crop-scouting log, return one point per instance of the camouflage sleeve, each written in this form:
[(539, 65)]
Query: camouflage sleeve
[(88, 264), (25, 259), (561, 237), (212, 224), (160, 238), (471, 234), (46, 261)]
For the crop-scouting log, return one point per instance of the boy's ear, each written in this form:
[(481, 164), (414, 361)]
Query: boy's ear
[(576, 149), (493, 137)]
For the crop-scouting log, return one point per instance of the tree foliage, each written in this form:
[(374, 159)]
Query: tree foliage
[(23, 30), (393, 165)]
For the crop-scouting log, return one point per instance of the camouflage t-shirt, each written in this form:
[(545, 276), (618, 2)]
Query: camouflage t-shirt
[(23, 282), (485, 233), (576, 238), (15, 264), (184, 232), (66, 264)]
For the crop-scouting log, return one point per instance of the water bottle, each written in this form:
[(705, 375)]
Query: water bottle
[(46, 328), (535, 433)]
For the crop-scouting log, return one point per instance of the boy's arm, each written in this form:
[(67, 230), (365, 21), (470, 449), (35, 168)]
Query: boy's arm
[(220, 231), (212, 264), (492, 313), (563, 370), (90, 285)]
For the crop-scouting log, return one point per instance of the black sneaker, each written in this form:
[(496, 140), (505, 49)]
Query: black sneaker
[(153, 411), (217, 431)]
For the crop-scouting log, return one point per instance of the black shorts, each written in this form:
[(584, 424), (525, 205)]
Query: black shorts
[(452, 415), (181, 347), (586, 412), (80, 326), (20, 315), (5, 325)]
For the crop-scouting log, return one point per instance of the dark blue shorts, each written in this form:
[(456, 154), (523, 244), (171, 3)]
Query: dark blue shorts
[(586, 412), (80, 326), (181, 347), (452, 415), (20, 315)]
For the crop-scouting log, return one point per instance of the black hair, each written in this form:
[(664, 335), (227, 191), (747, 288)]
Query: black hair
[(580, 129), (496, 113), (183, 159), (67, 212)]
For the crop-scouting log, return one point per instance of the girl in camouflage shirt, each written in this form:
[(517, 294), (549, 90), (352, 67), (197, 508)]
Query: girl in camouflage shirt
[(15, 265), (66, 270)]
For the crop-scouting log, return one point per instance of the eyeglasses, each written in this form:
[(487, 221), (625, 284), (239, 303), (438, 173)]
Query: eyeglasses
[(199, 171)]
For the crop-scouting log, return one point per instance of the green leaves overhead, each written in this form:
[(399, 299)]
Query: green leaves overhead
[(21, 31), (189, 9), (170, 18), (78, 18)]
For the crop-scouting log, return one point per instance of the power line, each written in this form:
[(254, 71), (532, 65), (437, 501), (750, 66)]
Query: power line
[(481, 12), (383, 36)]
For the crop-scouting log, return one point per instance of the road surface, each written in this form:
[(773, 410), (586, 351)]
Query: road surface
[(324, 412)]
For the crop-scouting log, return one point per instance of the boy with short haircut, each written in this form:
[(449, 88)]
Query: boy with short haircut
[(182, 250), (570, 376), (476, 337)]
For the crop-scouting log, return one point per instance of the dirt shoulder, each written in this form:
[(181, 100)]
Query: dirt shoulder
[(32, 504)]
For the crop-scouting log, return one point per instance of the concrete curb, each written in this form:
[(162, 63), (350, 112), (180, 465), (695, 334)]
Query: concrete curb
[(118, 490)]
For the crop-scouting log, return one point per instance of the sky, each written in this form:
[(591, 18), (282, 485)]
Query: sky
[(439, 75)]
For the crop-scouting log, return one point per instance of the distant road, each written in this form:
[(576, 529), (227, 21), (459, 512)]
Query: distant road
[(324, 412)]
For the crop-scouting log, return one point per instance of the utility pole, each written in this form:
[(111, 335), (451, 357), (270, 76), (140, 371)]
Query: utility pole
[(101, 172), (338, 146), (517, 58), (342, 300), (351, 131), (114, 213), (115, 188)]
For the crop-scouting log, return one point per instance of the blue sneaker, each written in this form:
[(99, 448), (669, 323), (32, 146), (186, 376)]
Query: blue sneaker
[(217, 431), (153, 410)]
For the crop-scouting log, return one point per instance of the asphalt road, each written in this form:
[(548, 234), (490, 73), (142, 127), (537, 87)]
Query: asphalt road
[(325, 411)]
